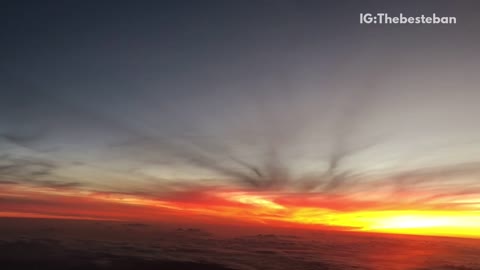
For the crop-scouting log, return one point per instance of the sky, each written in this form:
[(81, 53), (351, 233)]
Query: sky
[(268, 112)]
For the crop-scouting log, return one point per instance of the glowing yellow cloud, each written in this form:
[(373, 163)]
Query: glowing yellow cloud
[(255, 200)]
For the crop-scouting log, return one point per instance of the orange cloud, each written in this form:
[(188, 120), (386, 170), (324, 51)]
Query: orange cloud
[(233, 207)]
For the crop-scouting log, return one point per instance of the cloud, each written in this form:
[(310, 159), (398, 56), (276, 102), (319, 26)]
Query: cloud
[(32, 171)]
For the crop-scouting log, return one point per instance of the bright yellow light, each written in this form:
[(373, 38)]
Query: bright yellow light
[(448, 223), (407, 222)]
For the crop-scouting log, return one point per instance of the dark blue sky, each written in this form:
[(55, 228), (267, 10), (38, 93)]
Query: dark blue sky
[(260, 94)]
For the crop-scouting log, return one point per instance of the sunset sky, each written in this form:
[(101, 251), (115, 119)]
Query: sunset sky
[(271, 113)]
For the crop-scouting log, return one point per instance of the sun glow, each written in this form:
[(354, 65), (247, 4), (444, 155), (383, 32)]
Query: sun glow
[(408, 222), (448, 223)]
